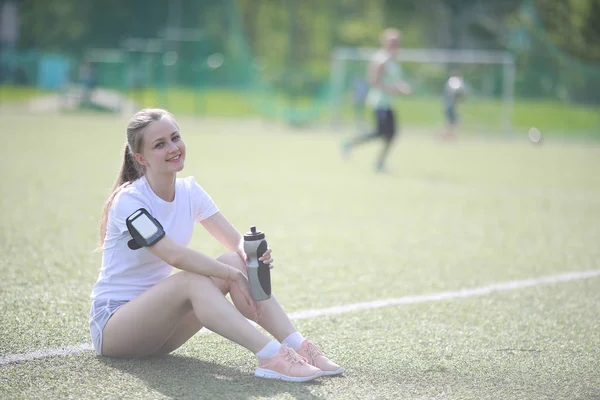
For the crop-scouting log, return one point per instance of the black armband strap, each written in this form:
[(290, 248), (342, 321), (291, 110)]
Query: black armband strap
[(144, 229)]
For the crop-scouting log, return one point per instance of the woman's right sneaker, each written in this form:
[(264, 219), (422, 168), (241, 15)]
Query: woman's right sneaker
[(316, 357), (286, 365)]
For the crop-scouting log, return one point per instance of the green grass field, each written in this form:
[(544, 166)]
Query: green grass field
[(13, 93), (445, 218), (477, 116)]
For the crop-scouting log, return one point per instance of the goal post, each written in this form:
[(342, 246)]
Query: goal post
[(490, 75)]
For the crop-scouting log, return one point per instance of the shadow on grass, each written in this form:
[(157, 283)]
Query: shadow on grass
[(183, 377)]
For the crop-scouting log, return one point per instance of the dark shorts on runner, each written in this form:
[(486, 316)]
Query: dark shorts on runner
[(451, 114), (386, 122)]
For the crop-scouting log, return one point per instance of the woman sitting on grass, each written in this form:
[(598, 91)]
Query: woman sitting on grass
[(139, 309)]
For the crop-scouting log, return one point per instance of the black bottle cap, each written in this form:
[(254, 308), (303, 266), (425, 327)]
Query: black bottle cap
[(254, 234)]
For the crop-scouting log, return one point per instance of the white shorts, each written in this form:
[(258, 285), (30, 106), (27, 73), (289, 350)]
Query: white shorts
[(100, 313)]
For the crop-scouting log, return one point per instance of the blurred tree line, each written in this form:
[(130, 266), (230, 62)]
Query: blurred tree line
[(296, 37), (573, 26), (294, 30)]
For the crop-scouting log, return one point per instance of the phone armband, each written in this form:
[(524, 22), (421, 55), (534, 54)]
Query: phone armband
[(144, 229)]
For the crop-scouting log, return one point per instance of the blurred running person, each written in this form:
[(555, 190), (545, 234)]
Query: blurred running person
[(454, 91), (385, 79), (140, 309)]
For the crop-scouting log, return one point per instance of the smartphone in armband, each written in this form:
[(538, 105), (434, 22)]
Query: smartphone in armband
[(144, 229)]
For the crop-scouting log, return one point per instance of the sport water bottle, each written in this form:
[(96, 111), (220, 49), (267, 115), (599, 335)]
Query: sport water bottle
[(259, 273)]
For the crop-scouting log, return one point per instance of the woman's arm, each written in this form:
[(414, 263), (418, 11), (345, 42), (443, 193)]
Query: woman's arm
[(221, 229), (190, 260), (224, 232)]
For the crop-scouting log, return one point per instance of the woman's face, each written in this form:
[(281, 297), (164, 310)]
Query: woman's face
[(163, 149)]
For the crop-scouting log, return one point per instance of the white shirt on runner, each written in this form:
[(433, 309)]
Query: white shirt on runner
[(127, 273), (391, 74)]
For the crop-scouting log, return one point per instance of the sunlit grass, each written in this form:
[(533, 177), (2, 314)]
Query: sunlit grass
[(445, 217)]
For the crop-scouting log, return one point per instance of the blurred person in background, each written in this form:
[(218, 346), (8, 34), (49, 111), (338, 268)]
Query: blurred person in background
[(87, 79), (384, 76), (140, 309), (454, 91)]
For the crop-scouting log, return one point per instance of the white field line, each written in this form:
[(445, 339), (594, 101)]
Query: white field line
[(311, 313)]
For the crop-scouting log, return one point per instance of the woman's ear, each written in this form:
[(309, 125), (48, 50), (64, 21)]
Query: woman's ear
[(140, 159)]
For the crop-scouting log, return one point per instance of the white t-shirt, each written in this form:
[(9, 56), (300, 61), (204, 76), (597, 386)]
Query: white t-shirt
[(127, 273), (391, 74)]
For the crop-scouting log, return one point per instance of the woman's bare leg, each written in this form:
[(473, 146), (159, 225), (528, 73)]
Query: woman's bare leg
[(185, 330), (271, 315), (144, 326), (190, 325)]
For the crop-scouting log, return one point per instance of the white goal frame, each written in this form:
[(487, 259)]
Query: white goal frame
[(438, 56)]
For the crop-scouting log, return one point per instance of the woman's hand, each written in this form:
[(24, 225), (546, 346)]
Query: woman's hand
[(266, 258), (242, 282)]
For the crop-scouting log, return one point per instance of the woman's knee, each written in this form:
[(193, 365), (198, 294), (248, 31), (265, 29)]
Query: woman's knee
[(194, 283), (234, 260)]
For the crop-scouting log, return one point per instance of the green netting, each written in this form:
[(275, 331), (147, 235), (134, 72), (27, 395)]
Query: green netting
[(291, 93), (195, 75)]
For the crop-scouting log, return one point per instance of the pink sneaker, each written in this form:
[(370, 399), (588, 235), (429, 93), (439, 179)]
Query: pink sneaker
[(286, 365), (315, 357)]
